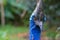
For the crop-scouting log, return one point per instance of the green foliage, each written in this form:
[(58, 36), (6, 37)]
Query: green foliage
[(51, 34), (52, 8), (8, 14), (12, 8), (46, 27), (9, 31), (5, 2), (23, 4)]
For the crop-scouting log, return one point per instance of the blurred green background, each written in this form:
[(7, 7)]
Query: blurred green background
[(14, 18)]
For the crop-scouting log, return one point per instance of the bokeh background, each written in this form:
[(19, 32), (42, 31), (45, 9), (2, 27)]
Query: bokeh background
[(14, 19)]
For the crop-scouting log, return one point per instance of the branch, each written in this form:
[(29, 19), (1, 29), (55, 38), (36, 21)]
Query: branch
[(2, 15), (23, 14)]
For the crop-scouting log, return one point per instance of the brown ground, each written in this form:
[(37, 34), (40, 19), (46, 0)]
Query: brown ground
[(26, 36)]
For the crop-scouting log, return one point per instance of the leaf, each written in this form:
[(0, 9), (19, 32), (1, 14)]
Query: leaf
[(5, 2), (16, 11), (18, 5), (8, 14), (58, 12), (23, 4)]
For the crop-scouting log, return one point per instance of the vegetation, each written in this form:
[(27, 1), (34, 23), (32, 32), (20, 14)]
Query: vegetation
[(10, 32), (16, 13)]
